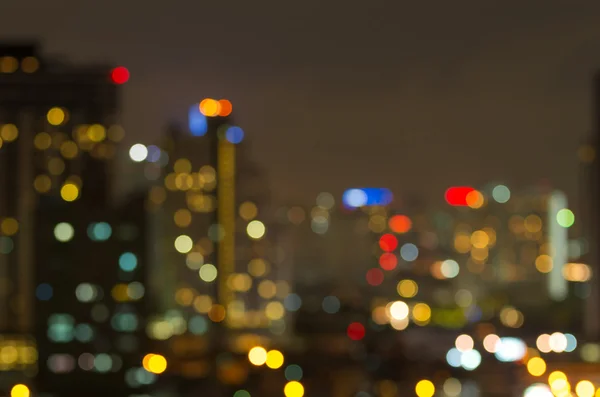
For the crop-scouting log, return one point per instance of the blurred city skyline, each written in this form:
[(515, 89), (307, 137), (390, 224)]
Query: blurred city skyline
[(482, 92)]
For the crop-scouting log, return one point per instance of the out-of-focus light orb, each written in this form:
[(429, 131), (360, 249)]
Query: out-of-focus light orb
[(556, 375), (501, 194), (475, 199), (536, 366), (293, 389), (421, 313), (470, 360), (64, 232), (590, 352), (449, 268), (544, 263), (354, 198), (292, 302), (256, 229), (464, 343), (453, 357), (388, 242), (225, 108), (325, 200), (565, 217), (128, 261), (407, 288), (138, 152), (388, 261), (452, 387), (374, 277), (234, 134), (585, 388), (69, 192), (183, 244), (257, 356), (241, 393), (119, 75), (543, 343), (331, 304), (155, 363), (409, 252), (399, 310), (425, 388), (510, 349), (558, 342), (490, 342), (210, 107), (571, 343), (274, 359), (56, 116), (20, 390), (293, 372), (538, 390), (197, 121), (356, 331), (400, 224), (208, 273)]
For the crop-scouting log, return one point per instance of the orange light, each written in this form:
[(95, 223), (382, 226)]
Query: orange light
[(209, 107), (400, 223), (475, 199), (226, 108)]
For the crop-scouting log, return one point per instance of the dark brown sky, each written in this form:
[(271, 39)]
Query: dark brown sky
[(344, 93)]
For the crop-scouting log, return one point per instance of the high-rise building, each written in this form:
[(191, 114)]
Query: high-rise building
[(58, 133)]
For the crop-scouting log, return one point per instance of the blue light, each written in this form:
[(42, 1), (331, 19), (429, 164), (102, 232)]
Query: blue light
[(44, 292), (510, 349), (354, 198), (128, 261), (153, 154), (453, 357), (99, 231), (234, 135), (292, 302), (197, 121)]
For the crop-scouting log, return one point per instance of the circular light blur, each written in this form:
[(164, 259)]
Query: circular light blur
[(470, 360), (64, 232), (425, 388), (543, 343), (355, 198), (274, 359), (538, 390), (558, 342), (450, 268), (585, 388), (257, 356), (399, 310), (571, 343), (510, 349), (138, 152), (255, 229), (452, 387), (501, 194), (293, 389), (409, 252), (453, 357), (208, 273), (536, 366), (184, 244), (490, 342), (464, 343)]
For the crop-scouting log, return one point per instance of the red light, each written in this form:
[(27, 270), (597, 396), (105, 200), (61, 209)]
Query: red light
[(120, 75), (388, 261), (400, 223), (457, 196), (375, 277), (388, 242), (226, 108), (356, 331)]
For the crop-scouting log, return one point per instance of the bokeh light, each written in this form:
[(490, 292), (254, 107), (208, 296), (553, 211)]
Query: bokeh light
[(425, 388)]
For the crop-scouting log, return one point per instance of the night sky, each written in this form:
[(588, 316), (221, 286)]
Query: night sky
[(415, 97)]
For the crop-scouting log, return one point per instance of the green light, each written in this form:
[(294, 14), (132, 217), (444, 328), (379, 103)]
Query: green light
[(501, 194), (241, 393), (565, 217)]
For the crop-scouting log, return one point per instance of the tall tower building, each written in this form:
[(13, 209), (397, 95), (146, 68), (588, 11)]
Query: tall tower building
[(58, 133)]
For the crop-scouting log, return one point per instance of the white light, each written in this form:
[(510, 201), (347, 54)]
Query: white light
[(355, 198), (538, 390), (543, 343), (470, 360), (558, 342), (453, 357), (510, 350), (138, 152), (450, 268), (399, 310)]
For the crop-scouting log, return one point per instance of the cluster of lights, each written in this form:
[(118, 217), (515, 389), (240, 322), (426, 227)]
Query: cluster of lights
[(274, 359), (10, 64)]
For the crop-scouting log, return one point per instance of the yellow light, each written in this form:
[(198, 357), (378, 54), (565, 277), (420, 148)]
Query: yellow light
[(69, 149), (422, 313), (9, 226), (183, 244), (256, 229), (182, 217), (69, 192), (8, 64), (257, 356), (155, 363), (274, 311), (556, 375), (30, 65), (210, 107), (544, 264), (407, 288), (536, 366), (9, 132), (293, 389), (42, 183), (56, 116), (585, 388), (425, 388), (19, 391), (274, 359)]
